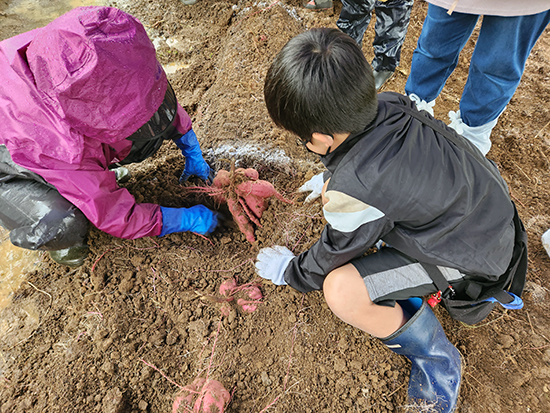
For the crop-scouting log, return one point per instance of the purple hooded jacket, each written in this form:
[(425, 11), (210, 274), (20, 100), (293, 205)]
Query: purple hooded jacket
[(70, 94)]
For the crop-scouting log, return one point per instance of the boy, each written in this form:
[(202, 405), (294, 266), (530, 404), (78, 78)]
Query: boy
[(394, 178), (392, 23)]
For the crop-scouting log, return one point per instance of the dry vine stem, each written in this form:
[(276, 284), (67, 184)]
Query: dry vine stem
[(203, 395)]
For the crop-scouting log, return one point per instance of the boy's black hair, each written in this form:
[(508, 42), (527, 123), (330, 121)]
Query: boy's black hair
[(321, 82)]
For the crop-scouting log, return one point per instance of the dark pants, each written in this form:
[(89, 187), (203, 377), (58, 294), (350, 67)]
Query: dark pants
[(392, 22), (39, 217)]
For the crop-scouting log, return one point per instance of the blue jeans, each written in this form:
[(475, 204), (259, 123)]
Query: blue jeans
[(496, 66)]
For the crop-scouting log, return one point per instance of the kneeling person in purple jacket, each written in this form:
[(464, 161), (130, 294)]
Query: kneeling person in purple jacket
[(79, 98), (392, 175)]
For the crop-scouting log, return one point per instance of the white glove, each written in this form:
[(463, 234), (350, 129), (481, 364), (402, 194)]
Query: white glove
[(272, 262), (546, 241), (315, 185)]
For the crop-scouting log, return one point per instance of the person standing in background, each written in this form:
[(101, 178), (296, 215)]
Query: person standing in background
[(508, 32), (392, 23)]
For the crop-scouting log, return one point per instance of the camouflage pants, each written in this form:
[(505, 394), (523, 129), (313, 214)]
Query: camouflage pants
[(392, 22)]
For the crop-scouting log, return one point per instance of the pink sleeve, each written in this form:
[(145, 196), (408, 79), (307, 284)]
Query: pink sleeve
[(110, 208), (183, 121)]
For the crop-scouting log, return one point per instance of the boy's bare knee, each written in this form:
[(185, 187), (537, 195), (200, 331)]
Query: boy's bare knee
[(345, 291), (336, 288)]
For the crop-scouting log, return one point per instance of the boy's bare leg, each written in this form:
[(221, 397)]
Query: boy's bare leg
[(348, 298)]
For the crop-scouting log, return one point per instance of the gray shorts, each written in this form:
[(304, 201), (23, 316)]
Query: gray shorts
[(390, 275)]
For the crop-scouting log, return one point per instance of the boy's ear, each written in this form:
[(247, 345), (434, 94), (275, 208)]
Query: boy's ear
[(321, 138)]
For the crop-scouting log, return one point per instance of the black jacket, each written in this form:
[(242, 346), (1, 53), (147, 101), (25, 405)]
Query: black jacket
[(401, 181)]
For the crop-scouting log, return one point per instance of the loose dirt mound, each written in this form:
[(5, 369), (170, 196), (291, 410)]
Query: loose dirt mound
[(142, 319)]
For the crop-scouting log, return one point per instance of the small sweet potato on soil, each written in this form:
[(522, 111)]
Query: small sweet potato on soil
[(202, 396), (230, 287)]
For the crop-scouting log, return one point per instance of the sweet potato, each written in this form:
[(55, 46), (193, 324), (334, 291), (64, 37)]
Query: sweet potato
[(262, 189), (228, 286), (249, 213), (254, 292), (214, 396), (248, 306), (205, 396), (250, 173), (222, 179), (242, 219), (256, 205), (245, 195)]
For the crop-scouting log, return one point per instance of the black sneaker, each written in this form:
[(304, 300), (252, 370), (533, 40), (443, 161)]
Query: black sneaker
[(381, 77), (71, 257)]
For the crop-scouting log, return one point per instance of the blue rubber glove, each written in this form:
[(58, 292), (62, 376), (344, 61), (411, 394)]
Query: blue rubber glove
[(194, 162), (197, 219), (272, 262)]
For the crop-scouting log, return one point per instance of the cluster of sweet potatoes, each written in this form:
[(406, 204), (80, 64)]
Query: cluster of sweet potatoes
[(246, 196), (230, 287)]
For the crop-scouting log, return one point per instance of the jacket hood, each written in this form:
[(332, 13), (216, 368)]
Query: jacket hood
[(96, 68)]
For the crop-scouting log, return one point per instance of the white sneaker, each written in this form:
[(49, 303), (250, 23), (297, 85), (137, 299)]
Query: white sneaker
[(422, 104), (480, 136)]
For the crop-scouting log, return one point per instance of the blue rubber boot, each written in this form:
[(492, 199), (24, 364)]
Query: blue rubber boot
[(436, 370)]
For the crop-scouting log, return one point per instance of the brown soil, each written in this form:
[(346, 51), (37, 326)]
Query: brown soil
[(85, 340)]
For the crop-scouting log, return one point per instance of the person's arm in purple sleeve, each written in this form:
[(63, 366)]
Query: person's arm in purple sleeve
[(94, 190), (110, 208), (113, 210), (190, 148)]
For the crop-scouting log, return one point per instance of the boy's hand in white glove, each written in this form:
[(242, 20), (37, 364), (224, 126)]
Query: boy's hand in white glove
[(272, 262), (315, 185)]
